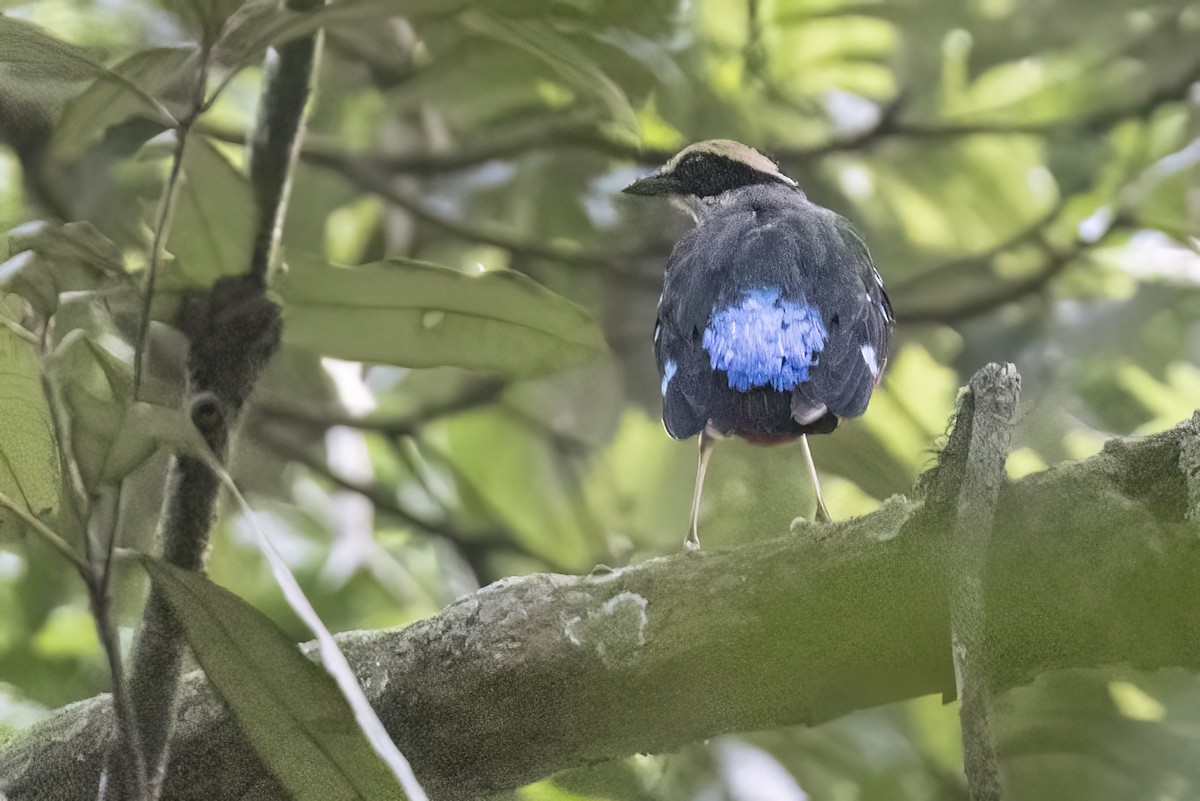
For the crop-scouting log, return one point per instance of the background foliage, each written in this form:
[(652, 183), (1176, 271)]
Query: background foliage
[(1025, 173)]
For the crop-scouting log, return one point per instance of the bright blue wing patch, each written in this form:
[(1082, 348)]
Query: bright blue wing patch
[(668, 373), (765, 340)]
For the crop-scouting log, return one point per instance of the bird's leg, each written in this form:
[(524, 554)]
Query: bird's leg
[(822, 515), (692, 543)]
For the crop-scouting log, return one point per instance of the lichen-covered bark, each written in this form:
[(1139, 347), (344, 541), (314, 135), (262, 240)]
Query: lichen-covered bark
[(1091, 563), (985, 417)]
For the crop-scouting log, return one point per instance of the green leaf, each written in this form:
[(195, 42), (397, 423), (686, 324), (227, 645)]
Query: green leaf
[(260, 24), (36, 66), (29, 467), (144, 430), (47, 260), (96, 386), (288, 707), (415, 314), (212, 234), (565, 57), (110, 100), (30, 53)]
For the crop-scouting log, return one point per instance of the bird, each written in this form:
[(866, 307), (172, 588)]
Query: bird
[(773, 322)]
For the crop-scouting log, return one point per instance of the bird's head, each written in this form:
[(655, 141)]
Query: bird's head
[(708, 169)]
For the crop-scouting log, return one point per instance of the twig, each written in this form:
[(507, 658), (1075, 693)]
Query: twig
[(607, 261), (385, 501), (278, 132), (132, 752), (482, 393), (1008, 293), (987, 412), (234, 330), (47, 534), (1189, 465), (1034, 231), (1057, 260)]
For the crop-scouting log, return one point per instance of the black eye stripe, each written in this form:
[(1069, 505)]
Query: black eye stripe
[(708, 174)]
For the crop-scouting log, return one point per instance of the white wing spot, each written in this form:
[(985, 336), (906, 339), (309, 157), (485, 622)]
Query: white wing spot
[(868, 354), (668, 373)]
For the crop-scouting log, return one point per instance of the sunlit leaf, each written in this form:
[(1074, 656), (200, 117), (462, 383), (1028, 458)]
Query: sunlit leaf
[(288, 707), (29, 466), (215, 222), (415, 314)]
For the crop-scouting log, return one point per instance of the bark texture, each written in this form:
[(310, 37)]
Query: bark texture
[(1091, 564)]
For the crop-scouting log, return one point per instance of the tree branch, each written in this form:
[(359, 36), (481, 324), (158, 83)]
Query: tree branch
[(537, 674), (234, 330), (985, 417)]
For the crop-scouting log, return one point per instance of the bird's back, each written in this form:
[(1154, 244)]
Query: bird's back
[(773, 321)]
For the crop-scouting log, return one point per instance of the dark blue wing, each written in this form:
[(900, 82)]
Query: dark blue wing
[(771, 316)]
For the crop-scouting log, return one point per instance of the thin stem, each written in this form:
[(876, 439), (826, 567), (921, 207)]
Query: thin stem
[(22, 332), (133, 757), (104, 517), (606, 261), (478, 395), (162, 227), (47, 534)]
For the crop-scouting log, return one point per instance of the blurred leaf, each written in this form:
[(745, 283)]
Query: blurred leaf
[(1103, 735), (215, 13), (639, 484), (110, 101), (48, 260), (69, 632), (263, 23), (29, 53), (29, 467), (415, 314), (215, 222), (539, 39), (752, 774), (96, 386), (31, 59), (515, 475), (287, 706), (144, 430)]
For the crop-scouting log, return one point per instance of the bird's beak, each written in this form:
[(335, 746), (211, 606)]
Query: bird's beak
[(655, 184)]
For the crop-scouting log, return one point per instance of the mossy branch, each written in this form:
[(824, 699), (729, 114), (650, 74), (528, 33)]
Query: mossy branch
[(542, 673), (234, 329)]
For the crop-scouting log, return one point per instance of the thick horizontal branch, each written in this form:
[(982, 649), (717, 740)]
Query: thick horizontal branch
[(1092, 564)]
